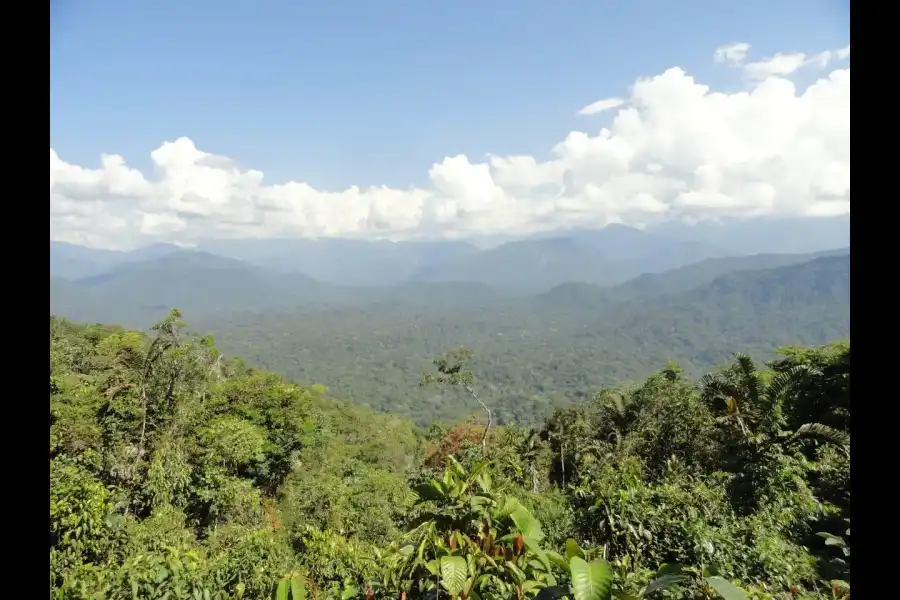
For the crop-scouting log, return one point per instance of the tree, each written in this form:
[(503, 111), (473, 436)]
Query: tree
[(753, 402), (452, 370)]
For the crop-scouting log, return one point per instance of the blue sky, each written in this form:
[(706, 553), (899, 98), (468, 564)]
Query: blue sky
[(339, 93)]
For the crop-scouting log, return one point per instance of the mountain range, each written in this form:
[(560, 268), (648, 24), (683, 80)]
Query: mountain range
[(266, 273), (551, 317), (534, 353)]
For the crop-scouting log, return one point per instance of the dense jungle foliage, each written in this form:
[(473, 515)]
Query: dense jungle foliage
[(176, 473), (542, 353)]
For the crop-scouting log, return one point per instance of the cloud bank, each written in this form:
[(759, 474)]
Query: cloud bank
[(673, 149)]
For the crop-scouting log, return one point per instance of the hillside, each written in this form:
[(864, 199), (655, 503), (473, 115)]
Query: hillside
[(532, 356), (140, 292), (176, 472), (71, 261)]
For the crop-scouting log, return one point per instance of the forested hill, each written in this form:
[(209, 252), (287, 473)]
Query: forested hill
[(177, 473), (536, 353)]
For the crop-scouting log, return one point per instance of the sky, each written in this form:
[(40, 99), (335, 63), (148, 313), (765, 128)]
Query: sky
[(178, 121)]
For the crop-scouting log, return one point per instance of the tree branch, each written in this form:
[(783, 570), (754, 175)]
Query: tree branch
[(490, 415)]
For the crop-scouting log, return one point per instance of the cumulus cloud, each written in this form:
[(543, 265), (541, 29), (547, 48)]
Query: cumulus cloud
[(601, 105), (733, 54), (674, 149)]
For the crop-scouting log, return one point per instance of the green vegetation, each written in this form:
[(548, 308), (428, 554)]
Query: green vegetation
[(540, 354), (179, 474)]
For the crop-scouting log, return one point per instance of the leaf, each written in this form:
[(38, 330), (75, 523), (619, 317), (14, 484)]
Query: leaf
[(454, 572), (621, 595), (523, 519), (822, 432), (670, 569), (534, 547), (591, 581), (726, 589), (710, 571), (573, 549), (428, 491), (298, 590), (553, 592), (239, 590), (282, 591), (557, 559), (664, 581)]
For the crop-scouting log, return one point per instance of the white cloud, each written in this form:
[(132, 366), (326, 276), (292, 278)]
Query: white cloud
[(601, 105), (780, 64), (733, 54), (675, 149), (783, 64)]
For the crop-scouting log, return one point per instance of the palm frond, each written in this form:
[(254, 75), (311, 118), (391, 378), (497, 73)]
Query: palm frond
[(714, 388), (822, 432), (746, 368), (784, 381)]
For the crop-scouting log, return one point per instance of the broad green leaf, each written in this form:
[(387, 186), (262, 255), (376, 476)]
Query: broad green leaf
[(484, 480), (591, 581), (283, 589), (726, 589), (573, 549), (454, 573), (239, 590), (429, 491), (532, 545), (433, 566), (624, 595), (527, 524), (664, 581), (298, 590), (557, 559)]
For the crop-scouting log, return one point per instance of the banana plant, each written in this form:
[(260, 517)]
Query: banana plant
[(470, 542), (289, 587)]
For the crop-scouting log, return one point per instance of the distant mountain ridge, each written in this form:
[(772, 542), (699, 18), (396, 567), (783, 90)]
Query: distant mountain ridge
[(537, 344), (605, 256), (676, 280), (573, 269), (531, 352)]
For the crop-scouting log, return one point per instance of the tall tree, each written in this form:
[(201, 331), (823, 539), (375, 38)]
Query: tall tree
[(452, 370)]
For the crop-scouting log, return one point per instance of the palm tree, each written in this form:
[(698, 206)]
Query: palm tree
[(755, 406)]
